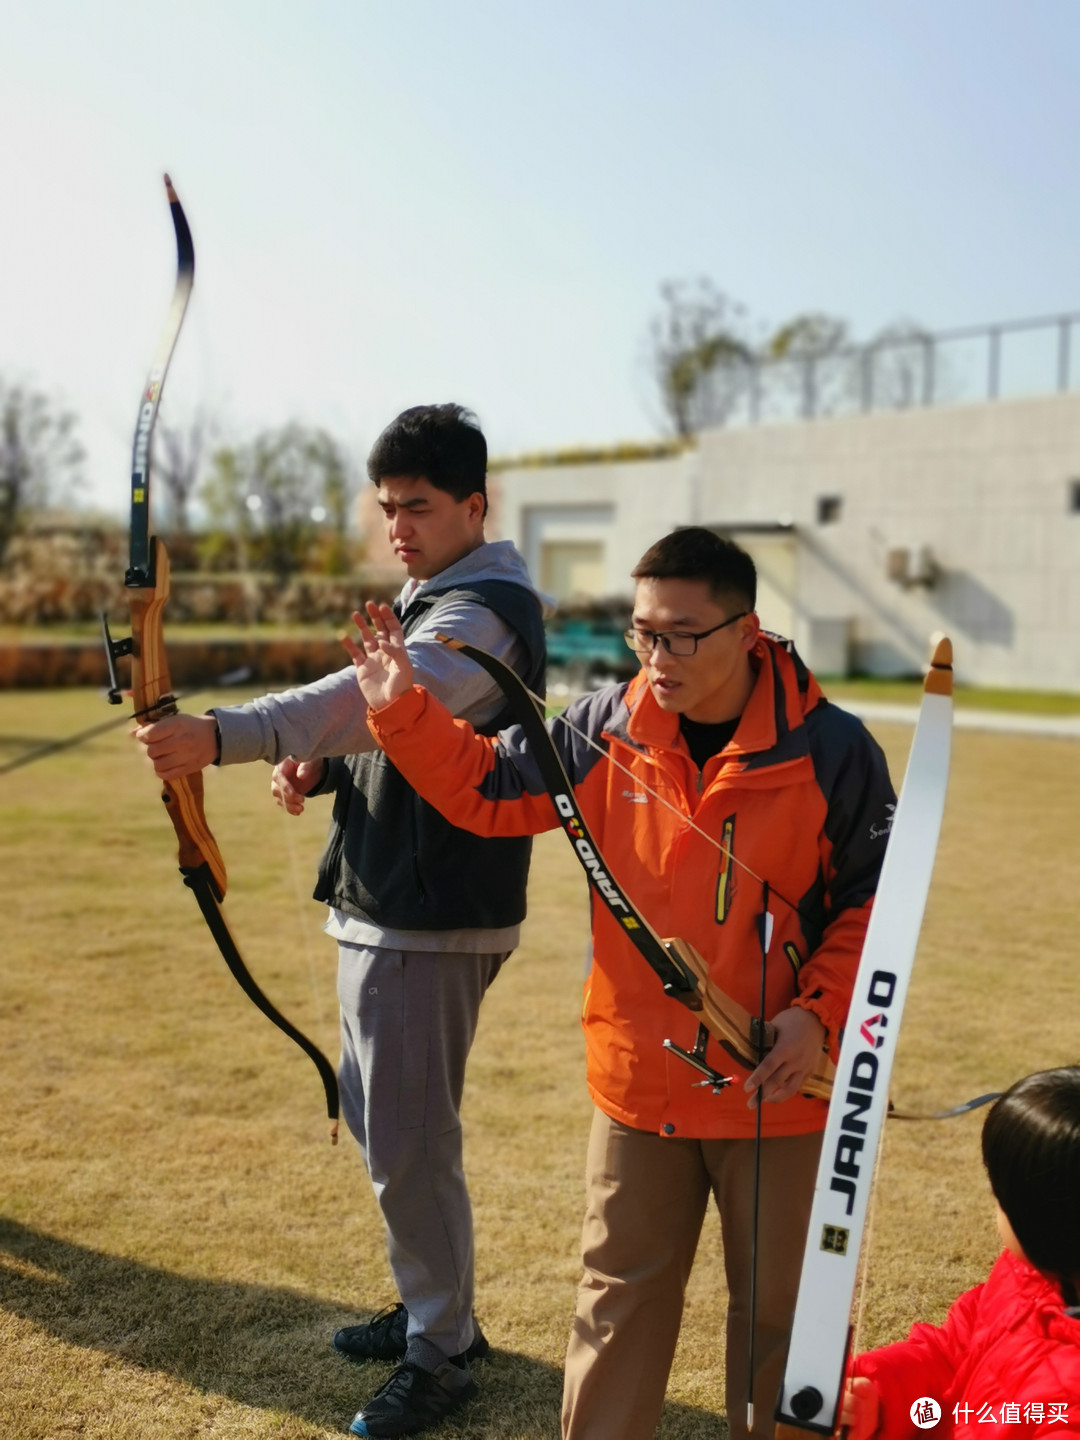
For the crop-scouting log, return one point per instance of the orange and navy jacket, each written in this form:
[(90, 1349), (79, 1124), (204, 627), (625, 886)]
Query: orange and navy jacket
[(800, 798)]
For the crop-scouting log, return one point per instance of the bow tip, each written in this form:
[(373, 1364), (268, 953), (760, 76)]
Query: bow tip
[(939, 678), (942, 657)]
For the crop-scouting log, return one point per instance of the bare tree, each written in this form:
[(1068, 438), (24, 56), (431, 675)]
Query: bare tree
[(282, 501), (901, 359), (706, 365), (810, 334), (40, 458), (701, 359), (181, 451), (820, 361)]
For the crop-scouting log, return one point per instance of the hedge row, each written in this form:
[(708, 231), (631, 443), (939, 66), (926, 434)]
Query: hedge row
[(57, 599), (194, 665)]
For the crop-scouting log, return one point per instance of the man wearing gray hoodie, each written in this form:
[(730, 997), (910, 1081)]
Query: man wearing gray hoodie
[(424, 914)]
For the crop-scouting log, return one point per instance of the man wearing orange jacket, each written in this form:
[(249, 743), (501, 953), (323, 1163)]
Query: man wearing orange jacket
[(743, 813)]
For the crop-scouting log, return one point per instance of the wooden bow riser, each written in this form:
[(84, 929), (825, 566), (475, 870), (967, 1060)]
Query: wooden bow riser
[(153, 694), (737, 1032)]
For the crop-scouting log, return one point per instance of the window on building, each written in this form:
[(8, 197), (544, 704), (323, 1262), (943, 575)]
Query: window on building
[(1074, 497), (829, 508), (572, 568)]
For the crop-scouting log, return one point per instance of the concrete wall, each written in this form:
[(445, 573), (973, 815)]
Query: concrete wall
[(977, 498), (624, 506), (978, 494)]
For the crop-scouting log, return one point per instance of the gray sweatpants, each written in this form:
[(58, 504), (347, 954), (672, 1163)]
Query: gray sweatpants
[(408, 1018)]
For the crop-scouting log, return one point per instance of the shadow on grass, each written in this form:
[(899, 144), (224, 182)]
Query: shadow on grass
[(256, 1345)]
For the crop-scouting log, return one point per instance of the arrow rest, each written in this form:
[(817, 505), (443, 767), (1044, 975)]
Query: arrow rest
[(696, 1058), (114, 650)]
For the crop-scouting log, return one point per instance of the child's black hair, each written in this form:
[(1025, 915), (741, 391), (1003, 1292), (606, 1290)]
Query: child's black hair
[(1031, 1150)]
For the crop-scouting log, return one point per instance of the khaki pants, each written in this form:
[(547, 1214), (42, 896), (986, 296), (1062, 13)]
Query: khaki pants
[(646, 1197)]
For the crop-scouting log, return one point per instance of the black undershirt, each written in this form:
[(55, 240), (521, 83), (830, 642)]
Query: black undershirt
[(705, 741)]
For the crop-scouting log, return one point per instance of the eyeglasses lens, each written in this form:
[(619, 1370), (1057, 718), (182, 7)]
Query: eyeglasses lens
[(644, 642)]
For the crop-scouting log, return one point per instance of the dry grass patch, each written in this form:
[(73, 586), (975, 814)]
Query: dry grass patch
[(177, 1239)]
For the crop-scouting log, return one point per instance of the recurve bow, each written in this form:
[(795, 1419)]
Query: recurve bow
[(147, 584), (813, 1380)]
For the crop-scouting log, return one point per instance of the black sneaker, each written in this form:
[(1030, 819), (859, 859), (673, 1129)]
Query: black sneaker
[(413, 1399), (384, 1337)]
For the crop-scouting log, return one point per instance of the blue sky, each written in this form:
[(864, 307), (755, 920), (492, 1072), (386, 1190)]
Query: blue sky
[(478, 200)]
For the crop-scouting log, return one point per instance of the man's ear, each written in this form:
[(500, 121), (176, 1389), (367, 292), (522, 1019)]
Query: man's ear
[(750, 629), (477, 506)]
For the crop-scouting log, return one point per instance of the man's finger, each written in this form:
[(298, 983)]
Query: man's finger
[(288, 798), (768, 1066), (368, 631), (777, 1079), (377, 620), (775, 1095)]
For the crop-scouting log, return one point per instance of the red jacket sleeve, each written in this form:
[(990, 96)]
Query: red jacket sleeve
[(923, 1364)]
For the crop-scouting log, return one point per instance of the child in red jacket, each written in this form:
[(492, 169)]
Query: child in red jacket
[(1006, 1362)]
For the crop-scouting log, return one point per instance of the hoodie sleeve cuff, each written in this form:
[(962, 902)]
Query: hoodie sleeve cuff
[(241, 737)]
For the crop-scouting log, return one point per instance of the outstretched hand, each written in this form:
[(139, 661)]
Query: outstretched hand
[(383, 668)]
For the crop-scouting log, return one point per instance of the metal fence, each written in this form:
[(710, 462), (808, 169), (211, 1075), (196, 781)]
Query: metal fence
[(906, 368)]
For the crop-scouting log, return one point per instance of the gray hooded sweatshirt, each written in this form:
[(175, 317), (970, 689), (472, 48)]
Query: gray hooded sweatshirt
[(329, 719)]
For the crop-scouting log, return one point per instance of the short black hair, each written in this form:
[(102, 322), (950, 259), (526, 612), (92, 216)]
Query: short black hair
[(442, 444), (1031, 1150), (694, 553)]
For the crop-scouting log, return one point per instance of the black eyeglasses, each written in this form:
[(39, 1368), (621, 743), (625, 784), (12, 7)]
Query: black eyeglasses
[(675, 642)]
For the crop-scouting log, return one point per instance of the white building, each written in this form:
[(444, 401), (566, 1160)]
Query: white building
[(870, 532)]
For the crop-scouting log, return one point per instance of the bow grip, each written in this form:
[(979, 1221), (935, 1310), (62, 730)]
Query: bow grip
[(744, 1036), (154, 700)]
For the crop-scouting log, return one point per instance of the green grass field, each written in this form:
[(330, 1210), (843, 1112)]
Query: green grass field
[(178, 1240)]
